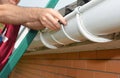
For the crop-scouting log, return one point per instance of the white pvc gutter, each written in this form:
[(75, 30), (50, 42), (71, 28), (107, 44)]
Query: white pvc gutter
[(87, 22)]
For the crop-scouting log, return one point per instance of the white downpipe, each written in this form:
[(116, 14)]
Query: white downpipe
[(87, 22)]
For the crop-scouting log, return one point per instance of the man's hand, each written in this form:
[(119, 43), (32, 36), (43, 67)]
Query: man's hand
[(45, 18), (49, 18)]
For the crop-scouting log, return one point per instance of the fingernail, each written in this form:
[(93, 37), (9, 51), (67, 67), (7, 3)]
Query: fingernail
[(60, 22)]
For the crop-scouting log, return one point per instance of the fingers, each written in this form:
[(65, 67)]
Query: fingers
[(57, 15), (47, 23), (52, 19)]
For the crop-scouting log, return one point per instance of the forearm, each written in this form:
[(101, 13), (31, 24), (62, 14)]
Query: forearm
[(16, 15)]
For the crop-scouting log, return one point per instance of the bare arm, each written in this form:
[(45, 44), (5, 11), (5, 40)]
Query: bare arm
[(13, 14), (35, 18)]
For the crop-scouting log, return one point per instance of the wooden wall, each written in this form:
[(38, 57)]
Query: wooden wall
[(90, 64)]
